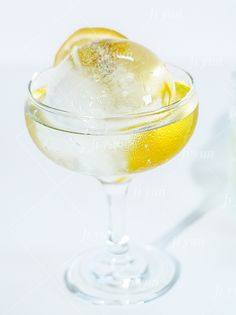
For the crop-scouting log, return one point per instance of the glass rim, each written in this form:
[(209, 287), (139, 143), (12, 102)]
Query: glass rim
[(174, 105)]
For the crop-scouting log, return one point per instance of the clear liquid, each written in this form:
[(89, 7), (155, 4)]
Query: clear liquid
[(116, 155)]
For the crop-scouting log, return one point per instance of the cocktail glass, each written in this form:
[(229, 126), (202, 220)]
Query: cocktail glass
[(114, 149)]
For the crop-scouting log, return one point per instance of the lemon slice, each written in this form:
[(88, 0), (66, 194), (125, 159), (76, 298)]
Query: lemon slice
[(155, 147), (85, 36)]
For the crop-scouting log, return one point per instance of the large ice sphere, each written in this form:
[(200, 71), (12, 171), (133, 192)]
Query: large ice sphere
[(109, 77)]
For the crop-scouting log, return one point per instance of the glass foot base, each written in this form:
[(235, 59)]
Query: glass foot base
[(137, 277)]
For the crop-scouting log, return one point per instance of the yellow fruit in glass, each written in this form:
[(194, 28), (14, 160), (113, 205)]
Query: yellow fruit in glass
[(155, 147)]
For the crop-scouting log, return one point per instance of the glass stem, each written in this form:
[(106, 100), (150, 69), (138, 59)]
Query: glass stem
[(118, 241)]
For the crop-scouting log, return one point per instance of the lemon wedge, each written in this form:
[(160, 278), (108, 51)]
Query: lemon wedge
[(155, 147), (84, 36)]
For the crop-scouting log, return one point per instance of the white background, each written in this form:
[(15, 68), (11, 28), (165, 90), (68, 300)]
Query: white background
[(48, 214)]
